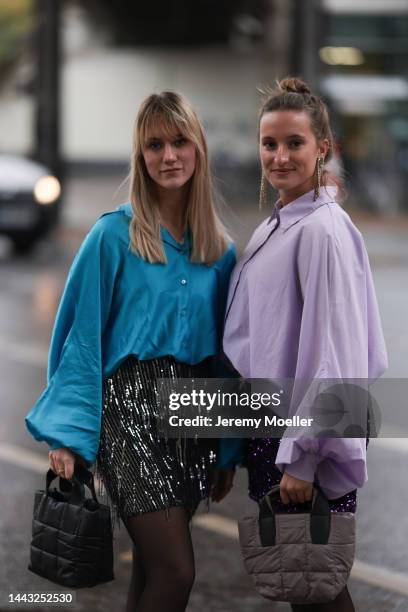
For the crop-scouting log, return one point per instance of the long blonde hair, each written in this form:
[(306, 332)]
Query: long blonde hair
[(209, 239)]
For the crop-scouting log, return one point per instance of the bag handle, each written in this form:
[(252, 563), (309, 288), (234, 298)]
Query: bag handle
[(320, 517), (84, 476), (74, 488)]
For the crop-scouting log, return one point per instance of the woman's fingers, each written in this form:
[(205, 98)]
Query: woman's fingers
[(51, 462), (294, 490), (69, 467), (300, 497), (62, 462), (284, 496)]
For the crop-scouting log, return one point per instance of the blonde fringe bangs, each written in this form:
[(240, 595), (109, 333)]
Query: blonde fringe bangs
[(209, 238)]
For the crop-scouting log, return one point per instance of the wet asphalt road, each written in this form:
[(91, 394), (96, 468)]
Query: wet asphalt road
[(30, 290)]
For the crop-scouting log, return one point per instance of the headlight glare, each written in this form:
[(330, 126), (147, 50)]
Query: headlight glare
[(47, 189)]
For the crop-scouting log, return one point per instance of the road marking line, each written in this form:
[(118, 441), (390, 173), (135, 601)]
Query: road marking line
[(23, 458), (381, 577), (395, 444), (37, 355), (217, 524), (25, 352), (390, 580)]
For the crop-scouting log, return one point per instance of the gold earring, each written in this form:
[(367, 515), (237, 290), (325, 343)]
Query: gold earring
[(263, 194), (318, 173)]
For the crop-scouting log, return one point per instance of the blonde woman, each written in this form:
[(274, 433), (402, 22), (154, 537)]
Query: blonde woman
[(144, 299)]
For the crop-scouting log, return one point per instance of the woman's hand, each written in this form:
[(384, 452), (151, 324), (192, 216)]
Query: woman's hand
[(295, 490), (62, 462), (223, 482)]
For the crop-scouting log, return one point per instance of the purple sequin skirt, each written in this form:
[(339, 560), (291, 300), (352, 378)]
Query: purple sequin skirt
[(263, 475)]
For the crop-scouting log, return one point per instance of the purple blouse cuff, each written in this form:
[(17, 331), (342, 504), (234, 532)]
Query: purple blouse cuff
[(339, 464), (304, 468)]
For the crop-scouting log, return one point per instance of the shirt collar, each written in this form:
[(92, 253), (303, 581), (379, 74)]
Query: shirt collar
[(168, 239), (301, 207), (126, 208), (164, 233)]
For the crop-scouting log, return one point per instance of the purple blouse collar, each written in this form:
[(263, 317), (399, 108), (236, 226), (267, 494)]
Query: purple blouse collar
[(304, 205)]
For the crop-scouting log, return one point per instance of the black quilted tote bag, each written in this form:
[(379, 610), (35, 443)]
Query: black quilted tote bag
[(72, 535)]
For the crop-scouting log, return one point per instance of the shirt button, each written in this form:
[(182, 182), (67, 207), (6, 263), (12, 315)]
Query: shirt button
[(183, 281), (183, 312)]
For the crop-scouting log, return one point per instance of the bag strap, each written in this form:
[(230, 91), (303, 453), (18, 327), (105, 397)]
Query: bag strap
[(85, 477), (267, 523), (320, 517), (75, 488)]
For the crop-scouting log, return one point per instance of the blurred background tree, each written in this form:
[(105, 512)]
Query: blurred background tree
[(16, 22)]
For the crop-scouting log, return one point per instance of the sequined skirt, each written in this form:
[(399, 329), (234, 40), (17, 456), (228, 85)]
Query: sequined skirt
[(263, 475), (140, 470)]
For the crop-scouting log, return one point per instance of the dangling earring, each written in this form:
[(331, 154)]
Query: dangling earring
[(263, 193), (318, 172)]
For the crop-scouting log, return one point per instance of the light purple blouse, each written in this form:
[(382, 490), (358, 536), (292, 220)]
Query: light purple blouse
[(304, 307)]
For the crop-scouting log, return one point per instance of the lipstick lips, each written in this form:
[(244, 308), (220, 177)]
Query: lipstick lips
[(170, 170)]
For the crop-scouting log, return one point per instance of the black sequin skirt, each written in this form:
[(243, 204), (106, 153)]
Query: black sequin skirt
[(140, 470)]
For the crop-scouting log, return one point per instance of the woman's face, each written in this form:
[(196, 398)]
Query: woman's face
[(170, 158), (289, 150)]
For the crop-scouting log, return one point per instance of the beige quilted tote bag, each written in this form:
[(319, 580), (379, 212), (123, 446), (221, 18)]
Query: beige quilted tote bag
[(298, 558)]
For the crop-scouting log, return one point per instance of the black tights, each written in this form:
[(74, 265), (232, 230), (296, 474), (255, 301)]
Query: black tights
[(163, 566), (163, 561), (342, 603)]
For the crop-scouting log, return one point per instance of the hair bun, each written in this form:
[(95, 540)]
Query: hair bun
[(294, 85)]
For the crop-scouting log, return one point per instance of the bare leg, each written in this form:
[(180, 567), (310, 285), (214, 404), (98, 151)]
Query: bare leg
[(164, 549)]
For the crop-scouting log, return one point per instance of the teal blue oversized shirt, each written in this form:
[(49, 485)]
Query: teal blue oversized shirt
[(114, 305)]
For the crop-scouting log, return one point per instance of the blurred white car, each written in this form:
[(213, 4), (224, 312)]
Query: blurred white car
[(29, 200)]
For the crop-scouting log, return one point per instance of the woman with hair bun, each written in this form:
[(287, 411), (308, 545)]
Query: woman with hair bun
[(144, 300), (302, 305)]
